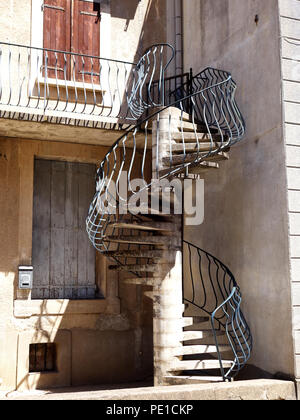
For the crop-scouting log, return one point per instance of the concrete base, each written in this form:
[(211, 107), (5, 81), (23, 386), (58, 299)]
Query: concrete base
[(261, 389)]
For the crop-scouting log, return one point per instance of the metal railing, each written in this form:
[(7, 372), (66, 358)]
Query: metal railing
[(210, 286), (216, 123), (41, 84), (175, 87)]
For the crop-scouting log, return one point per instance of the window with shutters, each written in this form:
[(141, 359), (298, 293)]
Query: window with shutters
[(72, 26)]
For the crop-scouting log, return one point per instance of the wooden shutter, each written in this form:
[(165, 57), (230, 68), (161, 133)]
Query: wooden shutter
[(57, 36), (86, 38)]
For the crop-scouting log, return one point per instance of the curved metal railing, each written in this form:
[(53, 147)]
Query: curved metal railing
[(215, 120), (215, 124), (63, 87), (211, 287)]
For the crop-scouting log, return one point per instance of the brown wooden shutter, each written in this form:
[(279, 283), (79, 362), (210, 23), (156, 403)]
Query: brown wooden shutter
[(86, 38), (57, 36)]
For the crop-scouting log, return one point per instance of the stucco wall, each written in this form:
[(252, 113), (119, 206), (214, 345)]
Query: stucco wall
[(101, 341), (134, 25), (246, 222)]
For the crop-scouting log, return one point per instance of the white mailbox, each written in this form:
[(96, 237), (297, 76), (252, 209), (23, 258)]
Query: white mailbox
[(25, 277)]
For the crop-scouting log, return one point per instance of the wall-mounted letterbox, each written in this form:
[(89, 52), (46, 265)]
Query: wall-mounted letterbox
[(25, 277)]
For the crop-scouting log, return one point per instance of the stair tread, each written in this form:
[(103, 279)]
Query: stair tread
[(144, 281), (141, 240), (151, 268), (194, 147), (188, 136), (135, 254), (148, 226), (197, 318), (196, 378), (196, 335), (203, 167), (191, 157), (218, 157), (196, 326), (199, 365), (200, 167), (190, 126), (201, 349)]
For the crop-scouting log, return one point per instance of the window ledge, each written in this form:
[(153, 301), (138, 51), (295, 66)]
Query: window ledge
[(70, 85), (29, 308), (71, 92)]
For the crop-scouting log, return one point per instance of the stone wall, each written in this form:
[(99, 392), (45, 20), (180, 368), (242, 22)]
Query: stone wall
[(290, 60)]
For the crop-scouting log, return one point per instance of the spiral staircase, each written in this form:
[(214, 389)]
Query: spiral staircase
[(199, 331)]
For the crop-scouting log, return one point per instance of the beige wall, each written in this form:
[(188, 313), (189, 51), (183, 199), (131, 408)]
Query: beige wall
[(15, 22), (134, 24), (290, 56), (100, 341), (246, 222)]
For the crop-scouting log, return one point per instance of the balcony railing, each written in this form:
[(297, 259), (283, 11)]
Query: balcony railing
[(40, 84)]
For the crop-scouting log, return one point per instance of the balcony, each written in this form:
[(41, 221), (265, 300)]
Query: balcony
[(56, 92)]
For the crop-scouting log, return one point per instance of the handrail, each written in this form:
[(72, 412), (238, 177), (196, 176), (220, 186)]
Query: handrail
[(64, 52), (215, 119), (63, 87), (217, 294), (213, 107)]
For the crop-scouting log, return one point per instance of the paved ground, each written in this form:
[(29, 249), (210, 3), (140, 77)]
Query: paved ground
[(262, 389)]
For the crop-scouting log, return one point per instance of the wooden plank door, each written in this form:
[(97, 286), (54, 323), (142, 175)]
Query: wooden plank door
[(63, 258)]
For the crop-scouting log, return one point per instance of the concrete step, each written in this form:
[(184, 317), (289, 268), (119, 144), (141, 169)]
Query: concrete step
[(191, 157), (194, 147), (182, 124), (191, 137), (196, 326), (147, 226), (182, 365), (203, 167), (219, 157), (197, 169), (201, 349), (157, 254), (177, 113), (137, 268), (144, 281), (198, 319), (185, 380), (188, 126), (208, 340), (198, 335), (139, 240)]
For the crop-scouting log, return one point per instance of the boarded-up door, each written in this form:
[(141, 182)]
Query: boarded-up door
[(63, 258)]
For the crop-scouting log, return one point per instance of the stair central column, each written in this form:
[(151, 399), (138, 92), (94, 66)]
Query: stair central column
[(168, 301)]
